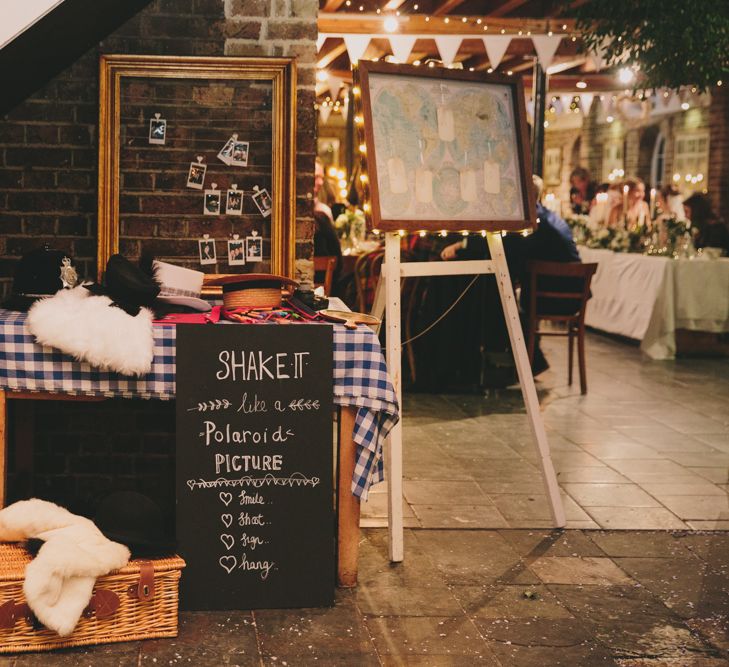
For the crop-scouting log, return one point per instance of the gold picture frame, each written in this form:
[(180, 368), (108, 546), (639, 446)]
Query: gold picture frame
[(278, 73)]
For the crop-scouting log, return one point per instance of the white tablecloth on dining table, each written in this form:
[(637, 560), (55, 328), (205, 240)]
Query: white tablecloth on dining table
[(648, 298)]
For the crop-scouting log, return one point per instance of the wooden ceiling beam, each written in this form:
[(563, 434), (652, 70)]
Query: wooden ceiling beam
[(505, 8), (332, 5), (447, 7), (416, 24), (328, 57)]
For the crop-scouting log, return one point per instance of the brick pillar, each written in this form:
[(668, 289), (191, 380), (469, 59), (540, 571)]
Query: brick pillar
[(719, 150)]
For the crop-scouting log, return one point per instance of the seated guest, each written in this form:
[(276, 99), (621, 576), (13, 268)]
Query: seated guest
[(637, 211), (552, 242), (709, 230), (322, 200), (326, 242), (584, 188)]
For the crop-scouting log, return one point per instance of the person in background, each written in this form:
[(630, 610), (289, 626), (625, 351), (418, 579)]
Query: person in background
[(669, 203), (321, 199), (584, 189), (709, 230), (552, 241), (637, 211), (326, 242)]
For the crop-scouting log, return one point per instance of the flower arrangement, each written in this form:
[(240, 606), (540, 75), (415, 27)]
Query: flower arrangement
[(596, 235), (351, 225)]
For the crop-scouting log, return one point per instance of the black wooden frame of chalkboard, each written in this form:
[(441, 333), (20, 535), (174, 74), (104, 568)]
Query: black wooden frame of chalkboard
[(256, 532)]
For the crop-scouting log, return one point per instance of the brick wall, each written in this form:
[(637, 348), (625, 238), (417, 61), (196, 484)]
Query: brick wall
[(48, 144), (48, 176)]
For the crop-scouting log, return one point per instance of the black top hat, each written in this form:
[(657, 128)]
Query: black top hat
[(136, 521), (126, 285), (40, 273)]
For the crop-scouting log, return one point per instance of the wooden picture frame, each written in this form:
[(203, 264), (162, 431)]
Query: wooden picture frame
[(276, 75), (419, 173)]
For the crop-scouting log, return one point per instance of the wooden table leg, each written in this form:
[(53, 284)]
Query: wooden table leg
[(348, 505), (3, 445)]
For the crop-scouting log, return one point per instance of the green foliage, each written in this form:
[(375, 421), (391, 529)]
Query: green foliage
[(674, 42)]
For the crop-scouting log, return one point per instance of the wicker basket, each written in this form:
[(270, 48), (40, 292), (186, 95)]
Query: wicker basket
[(147, 593)]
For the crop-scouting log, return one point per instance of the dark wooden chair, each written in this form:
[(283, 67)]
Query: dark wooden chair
[(575, 321), (325, 266)]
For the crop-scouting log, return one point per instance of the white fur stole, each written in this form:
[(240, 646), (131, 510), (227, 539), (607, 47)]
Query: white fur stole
[(90, 329), (60, 579)]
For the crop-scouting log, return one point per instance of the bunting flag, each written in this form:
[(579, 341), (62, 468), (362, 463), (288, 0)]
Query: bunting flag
[(335, 85), (597, 56), (325, 111), (320, 39), (356, 46), (402, 46), (586, 102), (496, 46), (448, 46), (546, 47), (565, 101)]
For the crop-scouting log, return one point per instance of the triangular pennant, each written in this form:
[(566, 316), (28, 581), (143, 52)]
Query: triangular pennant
[(546, 47), (598, 55), (356, 46), (496, 46), (320, 39), (565, 101), (325, 111), (402, 46), (335, 85), (448, 46), (586, 102)]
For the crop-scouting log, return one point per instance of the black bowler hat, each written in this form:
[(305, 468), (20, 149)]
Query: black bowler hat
[(40, 273), (136, 521), (126, 285)]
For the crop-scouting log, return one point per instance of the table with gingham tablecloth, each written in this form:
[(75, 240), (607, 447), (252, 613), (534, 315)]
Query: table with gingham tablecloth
[(360, 380)]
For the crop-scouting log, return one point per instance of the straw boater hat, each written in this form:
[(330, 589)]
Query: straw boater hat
[(253, 290)]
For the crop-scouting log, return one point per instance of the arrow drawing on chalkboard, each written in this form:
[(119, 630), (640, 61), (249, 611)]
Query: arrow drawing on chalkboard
[(296, 479), (227, 519), (302, 404), (228, 563), (216, 404), (226, 497), (228, 541)]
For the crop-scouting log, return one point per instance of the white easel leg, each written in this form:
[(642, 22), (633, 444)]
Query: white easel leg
[(526, 379), (393, 447), (378, 305)]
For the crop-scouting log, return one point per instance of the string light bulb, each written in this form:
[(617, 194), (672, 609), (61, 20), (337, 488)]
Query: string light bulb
[(390, 24), (421, 233), (401, 232)]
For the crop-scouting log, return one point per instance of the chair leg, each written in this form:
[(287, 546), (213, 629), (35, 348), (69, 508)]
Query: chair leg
[(581, 358), (571, 355)]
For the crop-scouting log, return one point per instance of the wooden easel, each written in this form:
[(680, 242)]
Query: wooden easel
[(387, 299)]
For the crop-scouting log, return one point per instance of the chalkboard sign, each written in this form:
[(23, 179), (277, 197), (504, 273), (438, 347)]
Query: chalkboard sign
[(255, 519)]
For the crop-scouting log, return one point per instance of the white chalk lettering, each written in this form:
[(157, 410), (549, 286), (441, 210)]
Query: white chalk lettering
[(247, 365), (226, 463), (262, 566), (246, 519)]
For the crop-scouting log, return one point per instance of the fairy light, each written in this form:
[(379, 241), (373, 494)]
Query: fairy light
[(503, 32), (447, 20), (340, 175), (401, 232), (479, 21), (490, 70), (363, 178), (443, 232), (321, 75), (390, 24), (483, 232), (332, 172), (464, 233), (342, 183), (685, 106), (356, 90), (343, 193), (366, 209), (421, 233), (464, 19)]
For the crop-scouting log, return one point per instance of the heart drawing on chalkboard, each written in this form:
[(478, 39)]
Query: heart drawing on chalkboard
[(228, 563), (225, 497), (227, 540), (227, 519)]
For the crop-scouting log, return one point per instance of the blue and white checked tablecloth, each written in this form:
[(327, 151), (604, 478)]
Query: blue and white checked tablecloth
[(360, 380)]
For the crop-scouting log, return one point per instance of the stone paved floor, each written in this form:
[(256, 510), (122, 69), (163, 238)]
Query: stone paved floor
[(646, 448)]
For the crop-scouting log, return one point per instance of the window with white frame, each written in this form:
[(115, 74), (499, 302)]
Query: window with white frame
[(658, 161), (613, 164), (691, 160)]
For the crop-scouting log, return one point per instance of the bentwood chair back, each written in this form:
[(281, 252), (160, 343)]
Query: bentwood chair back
[(324, 266), (547, 303)]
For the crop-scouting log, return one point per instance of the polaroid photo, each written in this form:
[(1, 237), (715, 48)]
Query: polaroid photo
[(236, 252), (263, 202), (239, 156), (196, 175), (211, 204), (206, 248), (226, 152), (234, 202), (254, 249), (157, 130)]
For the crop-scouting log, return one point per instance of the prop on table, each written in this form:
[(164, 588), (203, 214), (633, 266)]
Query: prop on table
[(178, 286), (211, 204), (109, 325), (196, 174), (348, 318), (206, 250), (60, 579), (234, 201), (253, 290), (40, 273), (157, 129), (262, 200), (236, 251), (254, 247)]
